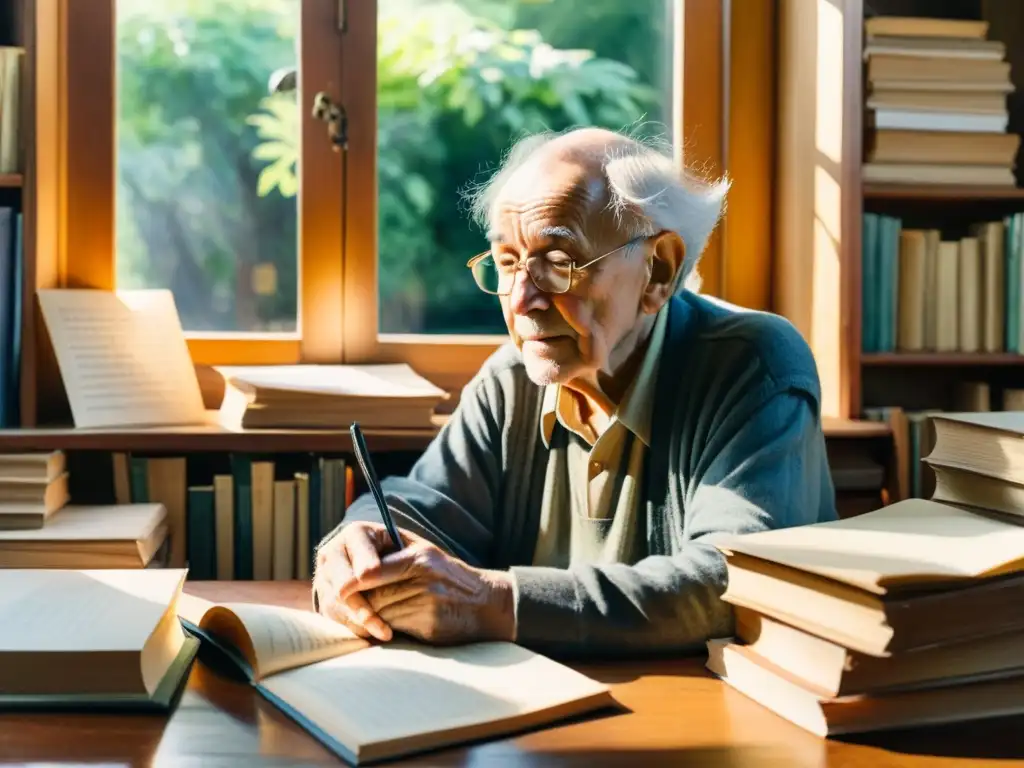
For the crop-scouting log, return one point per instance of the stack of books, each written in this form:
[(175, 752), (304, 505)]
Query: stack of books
[(328, 397), (32, 487), (935, 103), (912, 614), (41, 528)]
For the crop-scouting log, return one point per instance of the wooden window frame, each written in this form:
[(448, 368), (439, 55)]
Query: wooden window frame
[(338, 230), (89, 35)]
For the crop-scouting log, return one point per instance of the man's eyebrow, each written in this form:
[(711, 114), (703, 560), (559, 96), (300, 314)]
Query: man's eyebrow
[(555, 232), (561, 233)]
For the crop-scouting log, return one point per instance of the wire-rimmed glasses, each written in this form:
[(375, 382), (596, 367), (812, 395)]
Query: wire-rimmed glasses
[(552, 272)]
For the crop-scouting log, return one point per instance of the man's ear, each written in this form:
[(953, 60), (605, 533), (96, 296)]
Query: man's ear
[(665, 263)]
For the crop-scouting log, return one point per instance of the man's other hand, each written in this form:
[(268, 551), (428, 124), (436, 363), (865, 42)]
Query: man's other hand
[(420, 590)]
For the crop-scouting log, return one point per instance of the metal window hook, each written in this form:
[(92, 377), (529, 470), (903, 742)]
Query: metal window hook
[(285, 80)]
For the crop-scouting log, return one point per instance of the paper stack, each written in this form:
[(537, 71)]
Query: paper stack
[(328, 397), (908, 615), (32, 487), (935, 101)]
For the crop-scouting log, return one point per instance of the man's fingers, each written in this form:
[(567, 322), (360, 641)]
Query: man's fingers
[(386, 596), (359, 610), (400, 566), (361, 548)]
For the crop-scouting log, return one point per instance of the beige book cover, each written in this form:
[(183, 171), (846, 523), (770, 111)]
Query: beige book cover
[(947, 283), (910, 301), (91, 637), (369, 702), (969, 311), (262, 520)]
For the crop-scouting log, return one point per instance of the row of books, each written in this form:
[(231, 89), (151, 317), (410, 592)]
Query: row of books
[(923, 292), (254, 518), (908, 615), (936, 103), (11, 278), (223, 516)]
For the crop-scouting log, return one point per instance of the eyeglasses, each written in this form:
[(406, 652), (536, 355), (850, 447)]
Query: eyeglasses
[(551, 273)]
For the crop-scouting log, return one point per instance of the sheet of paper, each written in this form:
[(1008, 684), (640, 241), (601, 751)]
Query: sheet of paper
[(401, 690), (123, 358), (65, 610)]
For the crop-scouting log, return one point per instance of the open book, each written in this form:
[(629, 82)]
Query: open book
[(92, 638), (370, 702)]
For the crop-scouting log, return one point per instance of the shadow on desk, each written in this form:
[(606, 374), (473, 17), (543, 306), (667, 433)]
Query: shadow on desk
[(993, 739)]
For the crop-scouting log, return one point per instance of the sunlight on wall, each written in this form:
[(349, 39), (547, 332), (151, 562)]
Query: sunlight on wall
[(829, 123)]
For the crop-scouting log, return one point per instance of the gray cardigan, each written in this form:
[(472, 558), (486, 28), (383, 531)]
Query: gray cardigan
[(736, 446)]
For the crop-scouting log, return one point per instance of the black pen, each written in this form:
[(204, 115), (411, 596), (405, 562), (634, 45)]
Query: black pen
[(363, 456)]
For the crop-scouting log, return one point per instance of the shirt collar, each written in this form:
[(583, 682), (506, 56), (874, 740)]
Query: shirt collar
[(636, 410)]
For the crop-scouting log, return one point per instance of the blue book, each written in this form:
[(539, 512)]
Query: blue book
[(8, 289), (869, 283)]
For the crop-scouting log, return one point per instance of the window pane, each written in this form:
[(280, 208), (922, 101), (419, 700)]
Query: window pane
[(206, 159), (458, 81)]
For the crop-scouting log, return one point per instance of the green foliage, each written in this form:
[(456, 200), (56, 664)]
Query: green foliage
[(208, 159)]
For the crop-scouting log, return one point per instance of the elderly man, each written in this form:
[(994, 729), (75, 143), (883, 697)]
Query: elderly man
[(572, 501)]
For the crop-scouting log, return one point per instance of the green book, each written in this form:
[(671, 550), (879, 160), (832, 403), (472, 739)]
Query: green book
[(241, 471), (106, 639), (201, 546), (869, 283)]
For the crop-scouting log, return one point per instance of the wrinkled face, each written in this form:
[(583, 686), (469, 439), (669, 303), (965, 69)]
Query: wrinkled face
[(556, 207)]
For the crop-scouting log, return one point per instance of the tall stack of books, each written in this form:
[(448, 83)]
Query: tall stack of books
[(936, 103), (909, 615)]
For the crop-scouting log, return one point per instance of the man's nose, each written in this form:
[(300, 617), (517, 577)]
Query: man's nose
[(526, 296)]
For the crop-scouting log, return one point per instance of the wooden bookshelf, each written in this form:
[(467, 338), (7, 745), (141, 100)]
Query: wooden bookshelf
[(821, 197), (941, 359), (937, 193), (11, 180), (208, 439)]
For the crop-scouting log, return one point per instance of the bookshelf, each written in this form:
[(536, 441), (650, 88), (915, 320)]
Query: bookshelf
[(821, 197)]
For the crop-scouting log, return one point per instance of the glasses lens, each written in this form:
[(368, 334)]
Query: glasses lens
[(549, 276), (487, 277)]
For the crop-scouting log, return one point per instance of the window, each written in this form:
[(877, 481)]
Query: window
[(279, 245)]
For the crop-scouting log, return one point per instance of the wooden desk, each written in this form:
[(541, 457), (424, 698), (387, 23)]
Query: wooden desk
[(678, 715)]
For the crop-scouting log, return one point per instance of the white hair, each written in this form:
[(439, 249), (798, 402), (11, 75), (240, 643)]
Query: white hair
[(648, 193)]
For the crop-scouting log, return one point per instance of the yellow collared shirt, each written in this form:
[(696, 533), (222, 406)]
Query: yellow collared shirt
[(591, 504)]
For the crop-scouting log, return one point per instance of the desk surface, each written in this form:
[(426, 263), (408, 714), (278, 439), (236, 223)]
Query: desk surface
[(677, 715)]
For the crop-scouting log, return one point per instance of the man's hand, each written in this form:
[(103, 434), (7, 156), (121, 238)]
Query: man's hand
[(420, 590)]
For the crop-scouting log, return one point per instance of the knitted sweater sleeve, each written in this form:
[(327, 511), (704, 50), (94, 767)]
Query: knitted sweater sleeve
[(761, 468)]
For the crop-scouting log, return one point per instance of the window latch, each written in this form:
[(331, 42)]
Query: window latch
[(334, 115)]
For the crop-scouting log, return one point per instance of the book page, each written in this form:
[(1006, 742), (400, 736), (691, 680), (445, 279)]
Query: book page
[(123, 358), (402, 696), (914, 541), (80, 610), (273, 638)]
